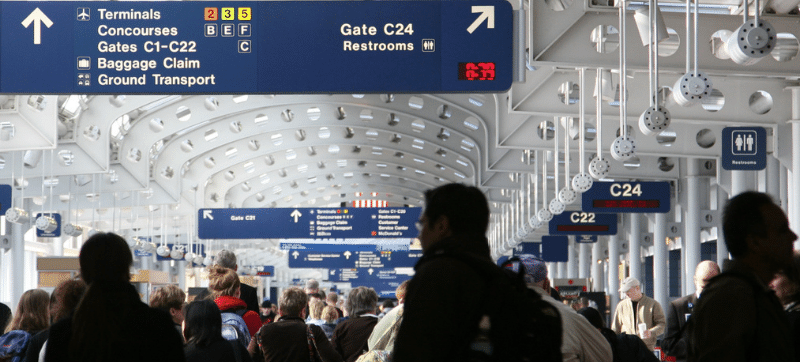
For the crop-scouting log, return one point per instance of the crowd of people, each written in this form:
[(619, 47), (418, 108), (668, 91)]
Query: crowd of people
[(749, 310)]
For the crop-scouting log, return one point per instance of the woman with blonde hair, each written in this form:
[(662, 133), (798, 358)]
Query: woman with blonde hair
[(225, 290)]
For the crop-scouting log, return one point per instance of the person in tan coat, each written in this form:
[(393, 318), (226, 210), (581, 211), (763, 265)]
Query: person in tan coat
[(648, 313)]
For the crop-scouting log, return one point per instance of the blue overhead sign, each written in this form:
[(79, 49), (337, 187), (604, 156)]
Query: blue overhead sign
[(132, 47), (583, 223), (627, 197), (555, 248), (56, 232), (308, 223), (744, 148), (354, 259), (5, 198)]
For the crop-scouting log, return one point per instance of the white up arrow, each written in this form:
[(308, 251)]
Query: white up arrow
[(295, 254), (347, 255), (37, 17), (487, 13), (207, 215), (296, 215), (370, 270)]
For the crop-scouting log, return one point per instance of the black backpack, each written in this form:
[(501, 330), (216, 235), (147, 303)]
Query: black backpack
[(517, 325)]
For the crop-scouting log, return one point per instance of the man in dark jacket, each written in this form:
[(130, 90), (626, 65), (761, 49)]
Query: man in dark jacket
[(227, 259), (738, 318), (679, 310), (441, 311)]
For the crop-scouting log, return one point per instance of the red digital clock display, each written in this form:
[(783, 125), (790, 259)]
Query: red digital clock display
[(476, 71), (617, 204), (582, 228)]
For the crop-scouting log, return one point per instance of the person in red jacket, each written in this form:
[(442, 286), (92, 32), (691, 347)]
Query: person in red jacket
[(225, 286)]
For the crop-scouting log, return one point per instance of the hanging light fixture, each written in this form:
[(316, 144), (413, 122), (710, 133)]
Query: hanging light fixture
[(544, 214), (555, 207), (692, 86), (656, 118), (566, 195), (598, 166), (753, 40), (582, 182), (623, 146), (534, 219)]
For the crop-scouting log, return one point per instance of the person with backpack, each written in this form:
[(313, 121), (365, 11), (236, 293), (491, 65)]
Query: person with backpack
[(738, 318), (580, 341), (31, 317), (460, 306), (111, 323), (224, 286), (202, 328), (63, 302), (290, 339), (624, 347)]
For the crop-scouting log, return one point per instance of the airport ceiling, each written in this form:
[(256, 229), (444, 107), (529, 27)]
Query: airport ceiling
[(143, 164)]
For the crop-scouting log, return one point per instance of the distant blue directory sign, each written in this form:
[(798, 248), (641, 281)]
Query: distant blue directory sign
[(555, 248), (5, 198), (364, 275), (308, 223), (627, 197), (269, 47), (266, 271), (385, 288), (744, 148), (585, 239), (534, 249), (345, 246), (583, 223), (352, 260), (52, 234)]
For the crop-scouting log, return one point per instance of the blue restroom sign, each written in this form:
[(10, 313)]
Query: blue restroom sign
[(744, 148)]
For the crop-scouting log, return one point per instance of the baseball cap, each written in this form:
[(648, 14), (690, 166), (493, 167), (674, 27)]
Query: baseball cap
[(628, 283)]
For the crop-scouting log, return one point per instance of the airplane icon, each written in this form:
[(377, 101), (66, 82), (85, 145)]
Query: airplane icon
[(83, 14)]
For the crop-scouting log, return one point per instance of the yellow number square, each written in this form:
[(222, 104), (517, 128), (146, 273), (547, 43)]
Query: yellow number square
[(228, 14), (245, 14)]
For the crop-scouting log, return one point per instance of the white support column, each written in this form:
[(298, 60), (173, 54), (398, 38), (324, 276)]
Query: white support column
[(572, 263), (181, 265), (772, 175), (613, 274), (660, 276), (597, 265), (562, 270), (691, 238), (742, 181), (17, 263), (552, 270), (794, 201), (784, 192), (268, 288), (635, 246), (722, 249), (584, 260)]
